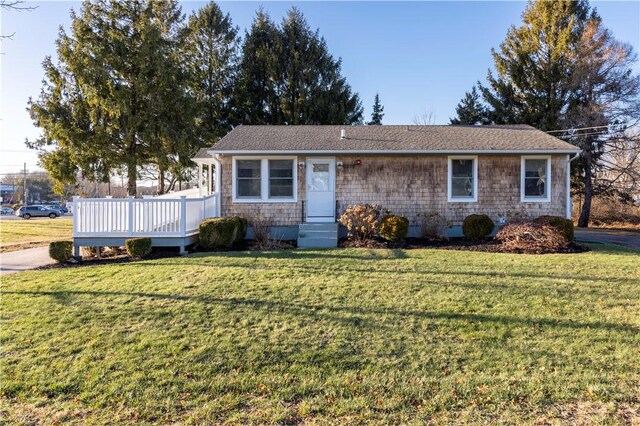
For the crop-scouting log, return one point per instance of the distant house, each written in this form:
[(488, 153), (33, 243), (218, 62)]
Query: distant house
[(301, 178), (7, 191), (297, 175)]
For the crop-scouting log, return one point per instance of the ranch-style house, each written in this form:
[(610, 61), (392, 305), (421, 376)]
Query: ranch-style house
[(301, 178)]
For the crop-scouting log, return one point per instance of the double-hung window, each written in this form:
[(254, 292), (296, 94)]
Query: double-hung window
[(264, 179), (535, 179), (462, 183), (248, 179)]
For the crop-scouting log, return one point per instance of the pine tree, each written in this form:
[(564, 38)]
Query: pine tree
[(288, 76), (257, 94), (605, 92), (470, 110), (533, 65), (111, 101), (210, 55), (562, 69), (378, 111)]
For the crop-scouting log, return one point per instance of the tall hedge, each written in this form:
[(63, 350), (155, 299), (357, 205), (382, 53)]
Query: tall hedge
[(222, 232)]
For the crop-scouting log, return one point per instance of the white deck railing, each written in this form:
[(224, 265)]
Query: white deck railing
[(136, 217)]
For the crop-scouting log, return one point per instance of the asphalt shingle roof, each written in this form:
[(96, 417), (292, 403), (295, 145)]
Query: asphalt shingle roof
[(203, 153), (384, 138)]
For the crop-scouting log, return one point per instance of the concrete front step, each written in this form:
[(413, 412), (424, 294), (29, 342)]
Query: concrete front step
[(317, 243), (318, 235)]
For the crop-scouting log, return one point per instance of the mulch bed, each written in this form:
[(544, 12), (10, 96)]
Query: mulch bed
[(488, 245)]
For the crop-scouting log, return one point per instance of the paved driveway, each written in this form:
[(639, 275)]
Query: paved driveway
[(22, 260), (629, 239)]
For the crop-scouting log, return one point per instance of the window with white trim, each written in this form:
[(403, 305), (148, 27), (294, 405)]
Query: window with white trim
[(269, 179), (248, 174), (462, 182), (281, 178), (535, 178)]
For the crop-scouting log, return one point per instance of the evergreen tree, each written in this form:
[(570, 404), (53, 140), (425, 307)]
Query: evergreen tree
[(111, 101), (533, 65), (605, 92), (289, 77), (378, 111), (470, 110), (560, 70), (258, 75), (210, 56), (311, 89)]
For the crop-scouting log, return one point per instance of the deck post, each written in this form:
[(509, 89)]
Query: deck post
[(75, 215), (130, 202), (218, 190), (200, 179), (183, 223)]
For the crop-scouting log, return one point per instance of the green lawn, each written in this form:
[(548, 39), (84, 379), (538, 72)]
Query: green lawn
[(20, 234), (335, 336)]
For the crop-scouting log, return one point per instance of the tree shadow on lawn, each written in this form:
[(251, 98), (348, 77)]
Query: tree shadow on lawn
[(357, 314), (326, 268)]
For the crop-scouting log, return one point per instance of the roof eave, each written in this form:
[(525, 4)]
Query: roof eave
[(398, 152)]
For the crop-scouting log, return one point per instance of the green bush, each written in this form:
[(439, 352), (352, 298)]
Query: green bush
[(222, 232), (61, 251), (477, 226), (562, 225), (138, 247), (394, 228)]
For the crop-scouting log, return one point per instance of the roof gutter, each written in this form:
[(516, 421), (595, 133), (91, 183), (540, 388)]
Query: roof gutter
[(398, 151)]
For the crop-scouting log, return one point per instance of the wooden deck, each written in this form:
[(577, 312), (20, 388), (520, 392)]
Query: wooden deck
[(169, 222)]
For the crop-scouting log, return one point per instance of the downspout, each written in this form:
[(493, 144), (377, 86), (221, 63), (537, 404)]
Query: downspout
[(218, 190), (569, 200)]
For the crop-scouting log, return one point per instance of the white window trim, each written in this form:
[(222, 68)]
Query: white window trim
[(473, 199), (264, 179), (523, 198)]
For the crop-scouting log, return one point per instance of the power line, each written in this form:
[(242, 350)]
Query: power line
[(607, 126), (579, 128), (582, 134)]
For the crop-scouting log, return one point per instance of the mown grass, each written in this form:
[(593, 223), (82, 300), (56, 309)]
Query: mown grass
[(336, 336), (20, 234)]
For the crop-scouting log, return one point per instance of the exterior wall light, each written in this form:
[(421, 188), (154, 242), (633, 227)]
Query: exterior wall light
[(339, 165), (302, 164), (358, 162)]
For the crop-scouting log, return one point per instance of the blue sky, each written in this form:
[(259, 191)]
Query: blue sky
[(420, 56)]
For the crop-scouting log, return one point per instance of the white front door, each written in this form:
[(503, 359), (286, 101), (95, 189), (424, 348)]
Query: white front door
[(321, 189)]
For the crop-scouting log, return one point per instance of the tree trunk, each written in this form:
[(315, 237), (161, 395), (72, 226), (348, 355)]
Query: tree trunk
[(585, 211), (132, 179), (160, 181)]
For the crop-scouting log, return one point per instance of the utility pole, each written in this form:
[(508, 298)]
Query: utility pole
[(24, 184)]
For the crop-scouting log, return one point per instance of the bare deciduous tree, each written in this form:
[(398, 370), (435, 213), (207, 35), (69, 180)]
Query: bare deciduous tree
[(17, 5), (426, 118)]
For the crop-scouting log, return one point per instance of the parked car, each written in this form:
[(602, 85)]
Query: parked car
[(6, 210), (27, 212), (58, 207)]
